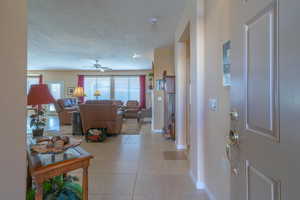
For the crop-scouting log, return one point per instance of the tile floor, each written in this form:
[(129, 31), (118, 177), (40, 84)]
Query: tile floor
[(138, 167), (135, 167)]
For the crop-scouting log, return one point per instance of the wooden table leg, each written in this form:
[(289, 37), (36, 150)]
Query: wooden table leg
[(39, 191), (85, 184), (29, 179)]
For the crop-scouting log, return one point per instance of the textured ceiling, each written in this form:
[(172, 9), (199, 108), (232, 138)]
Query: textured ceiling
[(70, 34)]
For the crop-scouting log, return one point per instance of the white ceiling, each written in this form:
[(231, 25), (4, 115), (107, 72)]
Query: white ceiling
[(70, 34)]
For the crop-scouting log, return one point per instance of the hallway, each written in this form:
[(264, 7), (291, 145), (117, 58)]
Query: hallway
[(139, 167)]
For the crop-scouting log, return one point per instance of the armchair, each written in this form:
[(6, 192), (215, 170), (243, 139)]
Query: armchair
[(144, 113), (131, 109), (64, 108)]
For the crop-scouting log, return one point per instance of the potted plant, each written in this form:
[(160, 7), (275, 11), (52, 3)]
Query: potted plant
[(59, 188), (38, 122)]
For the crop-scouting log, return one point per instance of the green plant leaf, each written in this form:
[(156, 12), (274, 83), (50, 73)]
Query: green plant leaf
[(59, 188), (75, 188), (30, 195)]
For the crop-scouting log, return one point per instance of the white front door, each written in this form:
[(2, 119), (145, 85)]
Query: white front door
[(265, 95)]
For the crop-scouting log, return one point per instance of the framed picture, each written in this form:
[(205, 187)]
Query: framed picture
[(70, 91), (226, 63), (160, 84)]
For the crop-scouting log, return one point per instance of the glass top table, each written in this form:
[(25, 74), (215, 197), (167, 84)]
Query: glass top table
[(42, 167)]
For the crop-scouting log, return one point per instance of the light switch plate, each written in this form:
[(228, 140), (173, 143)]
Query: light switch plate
[(213, 105)]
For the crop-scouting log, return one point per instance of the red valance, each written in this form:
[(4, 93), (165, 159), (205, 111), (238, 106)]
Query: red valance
[(143, 91), (80, 83)]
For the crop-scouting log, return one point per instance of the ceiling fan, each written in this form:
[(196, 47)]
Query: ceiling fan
[(99, 66)]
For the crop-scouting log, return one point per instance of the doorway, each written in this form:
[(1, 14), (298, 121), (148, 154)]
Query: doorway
[(186, 57), (183, 91), (189, 93)]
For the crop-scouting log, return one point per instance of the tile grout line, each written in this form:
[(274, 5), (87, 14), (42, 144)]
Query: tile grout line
[(136, 176), (134, 185)]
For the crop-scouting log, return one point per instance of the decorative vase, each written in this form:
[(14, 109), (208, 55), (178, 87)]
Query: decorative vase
[(38, 132)]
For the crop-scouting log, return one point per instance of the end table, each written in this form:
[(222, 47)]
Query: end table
[(76, 123)]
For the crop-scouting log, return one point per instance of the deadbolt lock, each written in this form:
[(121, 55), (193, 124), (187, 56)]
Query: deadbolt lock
[(234, 115)]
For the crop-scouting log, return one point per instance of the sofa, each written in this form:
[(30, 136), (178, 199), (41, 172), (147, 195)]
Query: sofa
[(64, 107), (101, 116), (105, 102), (131, 109)]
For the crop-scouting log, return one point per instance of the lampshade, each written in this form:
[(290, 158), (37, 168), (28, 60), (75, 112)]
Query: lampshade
[(97, 93), (39, 94), (78, 92)]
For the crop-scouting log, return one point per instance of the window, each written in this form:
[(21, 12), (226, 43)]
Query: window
[(32, 80), (103, 84), (122, 88), (127, 88)]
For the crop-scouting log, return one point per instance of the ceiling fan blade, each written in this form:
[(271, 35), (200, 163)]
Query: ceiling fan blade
[(101, 69)]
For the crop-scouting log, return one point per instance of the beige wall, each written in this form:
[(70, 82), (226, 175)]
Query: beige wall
[(163, 61), (217, 173), (209, 28), (13, 40), (69, 78)]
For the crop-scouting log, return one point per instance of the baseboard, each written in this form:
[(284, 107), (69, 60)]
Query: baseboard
[(198, 184), (201, 186), (209, 194), (181, 147), (157, 130)]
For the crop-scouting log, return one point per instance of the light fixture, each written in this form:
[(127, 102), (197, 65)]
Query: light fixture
[(136, 56), (153, 20)]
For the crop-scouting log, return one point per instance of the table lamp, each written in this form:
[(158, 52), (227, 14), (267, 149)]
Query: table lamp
[(97, 94), (79, 93), (37, 96)]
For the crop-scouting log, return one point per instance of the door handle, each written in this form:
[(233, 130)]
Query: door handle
[(234, 115)]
